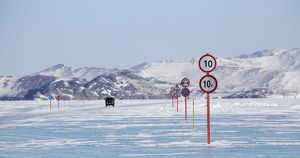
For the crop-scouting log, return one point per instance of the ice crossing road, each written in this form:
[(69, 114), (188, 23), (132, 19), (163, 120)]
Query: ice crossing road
[(150, 128)]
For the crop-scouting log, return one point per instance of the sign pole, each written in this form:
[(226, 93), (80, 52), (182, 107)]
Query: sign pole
[(181, 102), (208, 118), (193, 114), (208, 83), (173, 95), (185, 92), (185, 108), (177, 94), (58, 99), (172, 101)]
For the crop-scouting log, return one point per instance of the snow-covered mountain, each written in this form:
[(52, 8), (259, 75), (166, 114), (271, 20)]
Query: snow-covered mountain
[(67, 72), (266, 73), (122, 85), (261, 74)]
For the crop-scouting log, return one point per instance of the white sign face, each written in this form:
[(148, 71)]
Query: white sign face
[(185, 82), (207, 63), (208, 83)]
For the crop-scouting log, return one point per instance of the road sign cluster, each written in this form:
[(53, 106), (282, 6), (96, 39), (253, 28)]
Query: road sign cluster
[(175, 91), (58, 98), (208, 84)]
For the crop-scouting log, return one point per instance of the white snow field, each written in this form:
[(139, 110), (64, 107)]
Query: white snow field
[(150, 128)]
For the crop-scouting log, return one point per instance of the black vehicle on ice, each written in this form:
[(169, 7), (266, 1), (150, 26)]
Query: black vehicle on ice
[(110, 101)]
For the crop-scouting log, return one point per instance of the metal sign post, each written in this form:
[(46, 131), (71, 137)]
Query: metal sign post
[(185, 92), (58, 99), (50, 98), (172, 101), (193, 113), (177, 91), (173, 95), (208, 83)]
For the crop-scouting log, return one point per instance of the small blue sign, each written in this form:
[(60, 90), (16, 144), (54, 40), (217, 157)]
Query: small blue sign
[(50, 97)]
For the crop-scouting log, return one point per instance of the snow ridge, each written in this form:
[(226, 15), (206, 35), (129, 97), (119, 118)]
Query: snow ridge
[(266, 73)]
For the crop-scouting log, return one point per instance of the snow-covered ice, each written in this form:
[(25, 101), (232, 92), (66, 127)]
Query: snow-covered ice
[(150, 128)]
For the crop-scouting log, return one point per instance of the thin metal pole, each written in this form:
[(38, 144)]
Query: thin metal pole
[(172, 101), (185, 101), (208, 118), (193, 114)]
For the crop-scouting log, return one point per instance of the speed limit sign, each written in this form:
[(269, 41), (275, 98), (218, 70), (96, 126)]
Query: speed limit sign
[(207, 63), (208, 83)]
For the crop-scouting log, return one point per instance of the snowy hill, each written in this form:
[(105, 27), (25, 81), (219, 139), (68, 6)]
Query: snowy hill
[(277, 71), (267, 73), (68, 72), (126, 85), (122, 85)]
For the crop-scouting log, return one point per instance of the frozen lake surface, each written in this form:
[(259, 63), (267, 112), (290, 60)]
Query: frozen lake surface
[(150, 128)]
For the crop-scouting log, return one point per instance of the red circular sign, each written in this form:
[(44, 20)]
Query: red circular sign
[(58, 97), (207, 63), (185, 82), (185, 92), (208, 83)]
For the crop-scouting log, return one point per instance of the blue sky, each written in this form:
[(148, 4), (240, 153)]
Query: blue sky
[(36, 34)]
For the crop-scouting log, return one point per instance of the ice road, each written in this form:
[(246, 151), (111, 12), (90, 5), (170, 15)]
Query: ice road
[(150, 128)]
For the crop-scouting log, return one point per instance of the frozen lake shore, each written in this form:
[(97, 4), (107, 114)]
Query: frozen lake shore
[(150, 128)]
